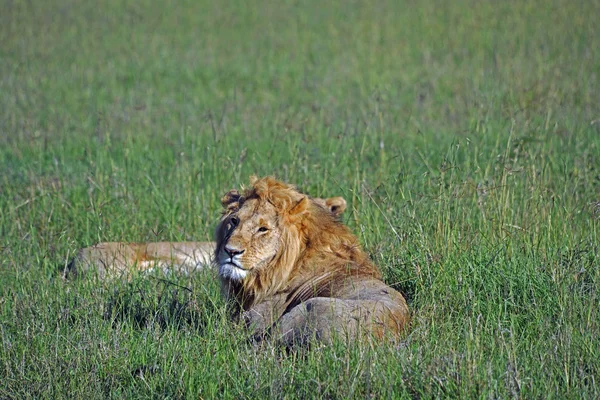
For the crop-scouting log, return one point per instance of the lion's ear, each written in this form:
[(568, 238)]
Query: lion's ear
[(231, 197), (253, 179), (300, 207), (337, 205)]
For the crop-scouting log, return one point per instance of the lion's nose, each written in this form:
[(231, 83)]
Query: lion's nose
[(233, 252)]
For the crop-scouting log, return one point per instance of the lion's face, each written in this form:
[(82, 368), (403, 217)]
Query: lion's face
[(258, 230), (251, 239)]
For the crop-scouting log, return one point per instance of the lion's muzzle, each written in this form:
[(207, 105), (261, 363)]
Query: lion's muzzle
[(230, 264)]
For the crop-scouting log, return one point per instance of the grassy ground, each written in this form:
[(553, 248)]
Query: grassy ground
[(465, 136)]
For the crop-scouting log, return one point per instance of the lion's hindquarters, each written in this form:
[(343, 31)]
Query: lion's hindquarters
[(354, 309), (326, 319), (103, 259)]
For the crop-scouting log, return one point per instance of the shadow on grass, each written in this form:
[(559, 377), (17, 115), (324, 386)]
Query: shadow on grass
[(407, 288), (151, 302)]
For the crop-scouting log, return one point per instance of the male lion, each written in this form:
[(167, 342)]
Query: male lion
[(293, 271), (110, 259)]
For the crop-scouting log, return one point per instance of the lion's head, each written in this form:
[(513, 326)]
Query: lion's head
[(268, 232)]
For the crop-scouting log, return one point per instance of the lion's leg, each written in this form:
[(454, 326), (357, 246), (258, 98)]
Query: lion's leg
[(327, 319), (264, 314)]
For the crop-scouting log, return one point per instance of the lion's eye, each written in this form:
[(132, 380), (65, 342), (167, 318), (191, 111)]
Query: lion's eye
[(263, 229), (234, 221)]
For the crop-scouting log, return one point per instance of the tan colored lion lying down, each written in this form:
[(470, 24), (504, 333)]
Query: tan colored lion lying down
[(295, 272)]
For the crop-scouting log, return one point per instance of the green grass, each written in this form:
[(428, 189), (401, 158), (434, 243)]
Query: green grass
[(465, 136)]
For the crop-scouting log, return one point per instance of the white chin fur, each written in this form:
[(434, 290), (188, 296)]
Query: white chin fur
[(232, 272)]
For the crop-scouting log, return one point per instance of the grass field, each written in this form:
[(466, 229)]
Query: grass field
[(465, 136)]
